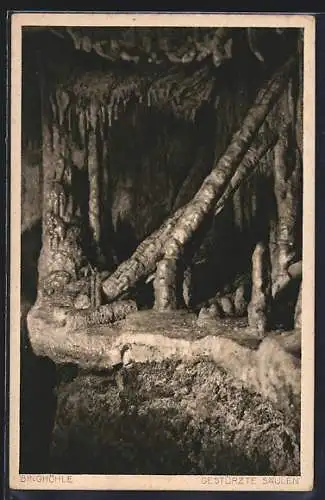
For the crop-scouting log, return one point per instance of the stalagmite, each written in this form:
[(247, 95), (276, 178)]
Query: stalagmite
[(187, 287), (187, 219), (240, 302), (259, 306), (214, 185), (61, 248), (287, 181), (165, 296), (286, 185), (223, 171), (295, 270), (95, 290), (298, 309), (142, 262)]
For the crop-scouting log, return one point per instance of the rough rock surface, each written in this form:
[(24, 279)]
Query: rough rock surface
[(170, 417), (166, 396), (268, 366)]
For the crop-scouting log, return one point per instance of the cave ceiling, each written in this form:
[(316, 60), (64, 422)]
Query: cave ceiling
[(171, 68), (170, 45)]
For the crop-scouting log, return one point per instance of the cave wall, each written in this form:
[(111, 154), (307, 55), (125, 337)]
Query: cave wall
[(150, 162), (151, 156), (156, 163), (31, 203)]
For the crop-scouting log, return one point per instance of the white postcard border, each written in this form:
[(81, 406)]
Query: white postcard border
[(303, 482)]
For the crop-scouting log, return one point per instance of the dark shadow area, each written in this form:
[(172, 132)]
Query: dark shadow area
[(38, 375), (37, 408)]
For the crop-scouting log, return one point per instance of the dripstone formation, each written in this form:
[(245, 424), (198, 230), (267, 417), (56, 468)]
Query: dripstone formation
[(171, 247)]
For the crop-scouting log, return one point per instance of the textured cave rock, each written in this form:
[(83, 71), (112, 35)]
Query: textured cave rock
[(151, 336), (188, 391), (167, 46), (170, 418), (128, 192)]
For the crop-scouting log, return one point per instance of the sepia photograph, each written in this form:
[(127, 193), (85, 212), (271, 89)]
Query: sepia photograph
[(162, 241)]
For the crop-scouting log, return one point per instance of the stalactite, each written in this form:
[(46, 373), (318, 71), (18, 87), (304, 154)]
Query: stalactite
[(106, 222), (109, 114), (81, 129), (179, 228), (85, 124), (103, 121), (70, 120), (215, 183), (93, 176), (54, 110), (58, 152), (62, 103), (226, 165)]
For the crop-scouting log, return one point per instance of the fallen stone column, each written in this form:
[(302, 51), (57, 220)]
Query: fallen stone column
[(215, 184), (142, 263)]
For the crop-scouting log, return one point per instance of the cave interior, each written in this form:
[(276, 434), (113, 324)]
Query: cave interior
[(126, 143), (161, 187)]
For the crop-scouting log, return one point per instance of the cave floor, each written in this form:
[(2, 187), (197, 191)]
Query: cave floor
[(170, 418), (145, 335), (159, 393)]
